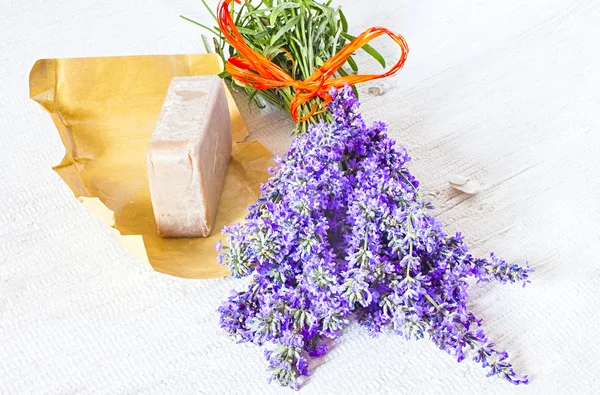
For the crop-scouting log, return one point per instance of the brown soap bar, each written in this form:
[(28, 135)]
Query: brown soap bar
[(188, 156)]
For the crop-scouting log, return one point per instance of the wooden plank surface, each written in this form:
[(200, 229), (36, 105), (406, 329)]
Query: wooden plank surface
[(507, 93)]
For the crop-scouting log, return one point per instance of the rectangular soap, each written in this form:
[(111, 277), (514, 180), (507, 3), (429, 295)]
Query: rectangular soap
[(188, 156)]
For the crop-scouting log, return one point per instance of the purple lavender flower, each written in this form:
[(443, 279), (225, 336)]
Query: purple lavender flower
[(340, 231)]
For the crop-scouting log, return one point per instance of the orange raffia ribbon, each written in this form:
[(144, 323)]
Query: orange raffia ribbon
[(256, 71)]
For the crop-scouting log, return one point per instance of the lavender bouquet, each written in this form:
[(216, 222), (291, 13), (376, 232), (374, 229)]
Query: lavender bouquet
[(339, 233)]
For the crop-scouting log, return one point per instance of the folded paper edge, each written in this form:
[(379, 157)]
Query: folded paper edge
[(134, 244), (42, 90)]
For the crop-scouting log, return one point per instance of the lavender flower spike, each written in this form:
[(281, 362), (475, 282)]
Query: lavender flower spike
[(340, 231)]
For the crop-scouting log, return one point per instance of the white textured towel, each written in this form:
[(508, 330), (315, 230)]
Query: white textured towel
[(505, 92)]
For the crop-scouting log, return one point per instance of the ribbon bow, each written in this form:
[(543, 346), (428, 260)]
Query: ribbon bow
[(256, 71)]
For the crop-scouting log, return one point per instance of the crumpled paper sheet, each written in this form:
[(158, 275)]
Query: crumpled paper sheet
[(105, 110)]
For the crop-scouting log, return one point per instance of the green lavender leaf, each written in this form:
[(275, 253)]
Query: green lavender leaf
[(352, 64), (368, 49), (343, 20), (279, 9), (209, 9), (205, 43), (284, 29), (200, 24)]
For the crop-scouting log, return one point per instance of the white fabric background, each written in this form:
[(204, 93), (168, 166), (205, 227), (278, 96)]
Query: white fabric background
[(507, 92)]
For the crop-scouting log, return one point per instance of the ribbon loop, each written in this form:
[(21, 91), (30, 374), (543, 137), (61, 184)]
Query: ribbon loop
[(255, 70)]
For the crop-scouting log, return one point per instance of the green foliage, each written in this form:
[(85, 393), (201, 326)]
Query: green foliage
[(311, 31)]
